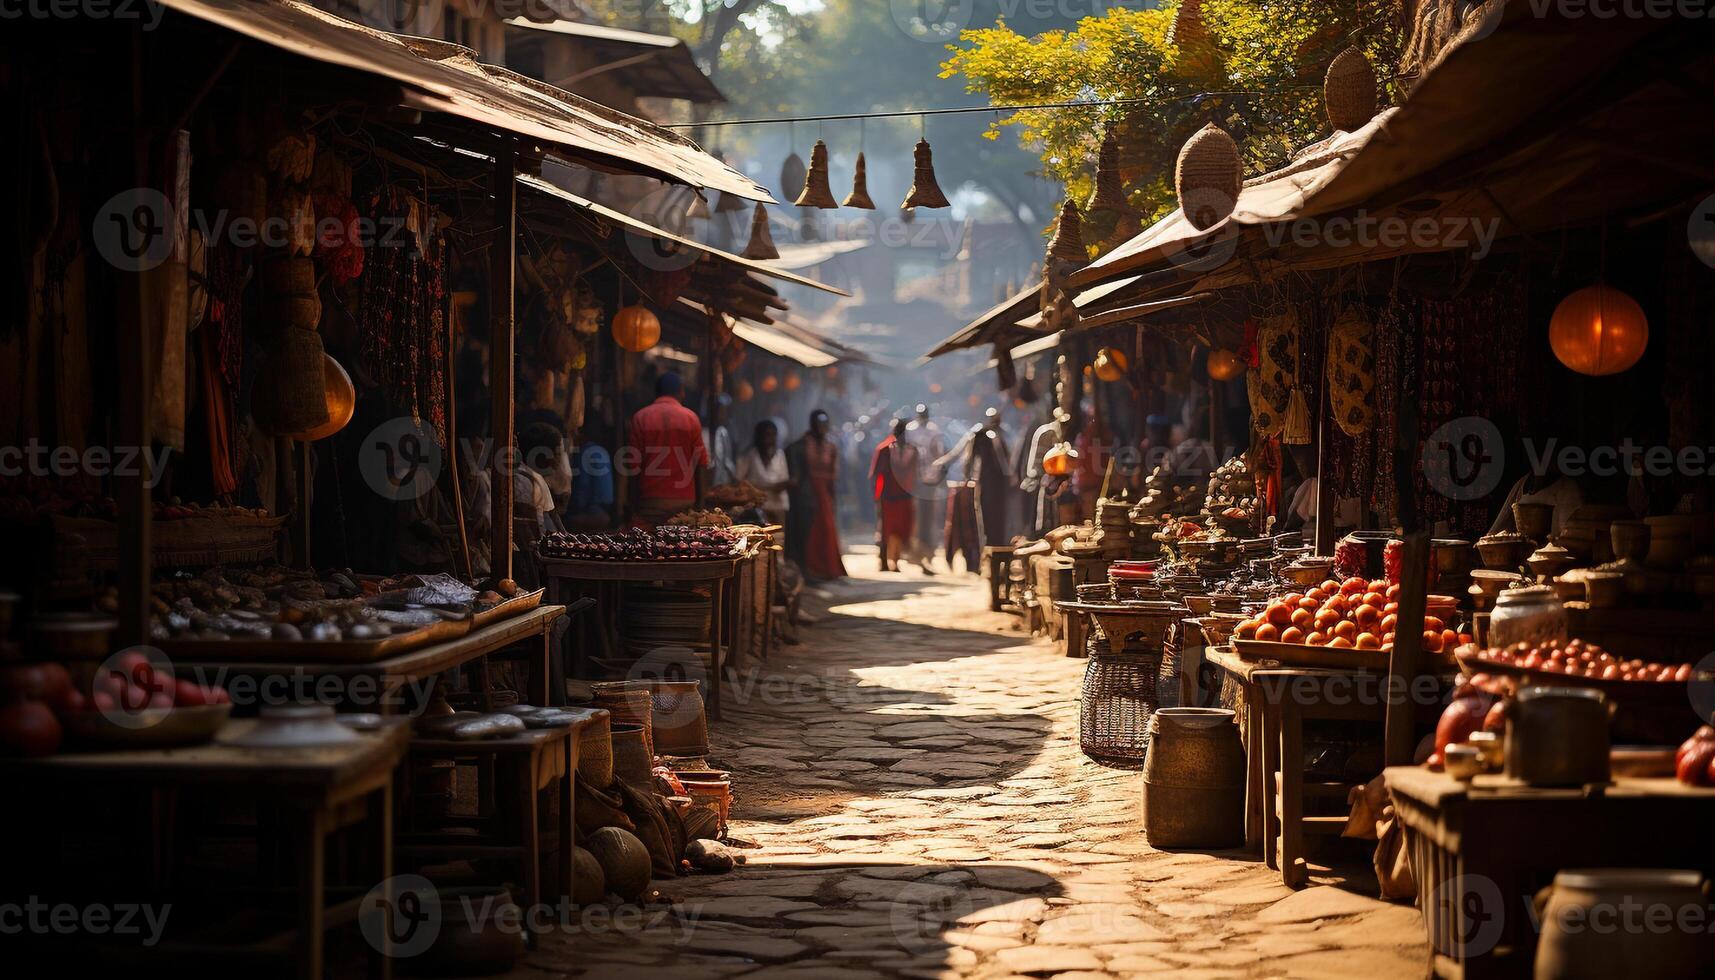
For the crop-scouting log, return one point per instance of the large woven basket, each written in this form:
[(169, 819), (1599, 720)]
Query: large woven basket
[(1349, 90), (630, 703), (1208, 177), (595, 752), (292, 389), (1114, 709)]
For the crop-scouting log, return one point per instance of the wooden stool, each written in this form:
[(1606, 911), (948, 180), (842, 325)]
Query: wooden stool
[(997, 561), (507, 825)]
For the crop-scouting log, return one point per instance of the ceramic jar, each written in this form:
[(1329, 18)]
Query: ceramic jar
[(1617, 922), (1532, 614)]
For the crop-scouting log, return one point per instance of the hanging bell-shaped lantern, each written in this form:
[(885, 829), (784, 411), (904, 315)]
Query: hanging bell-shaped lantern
[(730, 203), (859, 197), (925, 190), (1061, 460), (1349, 90), (1068, 241), (792, 172), (761, 240), (1208, 177), (1110, 188), (816, 192)]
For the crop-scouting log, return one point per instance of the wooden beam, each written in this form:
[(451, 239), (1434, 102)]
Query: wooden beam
[(135, 397), (501, 270), (1405, 662)]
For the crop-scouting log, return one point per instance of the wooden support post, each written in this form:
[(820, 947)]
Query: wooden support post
[(500, 364), (1325, 505), (304, 491), (454, 451), (1405, 663), (132, 410)]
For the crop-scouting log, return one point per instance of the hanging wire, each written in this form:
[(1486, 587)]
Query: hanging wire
[(954, 110)]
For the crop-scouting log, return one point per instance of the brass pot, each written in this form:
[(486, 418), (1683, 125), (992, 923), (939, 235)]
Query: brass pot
[(1558, 736), (1194, 780)]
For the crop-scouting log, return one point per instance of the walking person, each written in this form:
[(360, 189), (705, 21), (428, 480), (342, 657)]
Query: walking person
[(814, 462), (925, 436), (893, 472)]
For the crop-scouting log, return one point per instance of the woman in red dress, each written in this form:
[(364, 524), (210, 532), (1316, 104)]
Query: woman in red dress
[(815, 464), (893, 471)]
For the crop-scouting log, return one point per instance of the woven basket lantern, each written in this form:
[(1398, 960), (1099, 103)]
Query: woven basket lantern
[(1349, 90), (1068, 241), (761, 240), (1110, 187), (291, 392), (859, 197), (816, 192), (1208, 177), (925, 190)]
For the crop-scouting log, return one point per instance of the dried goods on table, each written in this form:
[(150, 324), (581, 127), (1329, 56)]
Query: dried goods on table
[(663, 543)]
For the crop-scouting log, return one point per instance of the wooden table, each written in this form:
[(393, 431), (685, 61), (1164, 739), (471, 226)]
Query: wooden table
[(1480, 852), (307, 794), (389, 678), (569, 578), (1278, 701), (527, 764)]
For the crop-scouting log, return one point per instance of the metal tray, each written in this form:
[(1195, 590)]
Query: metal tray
[(521, 603)]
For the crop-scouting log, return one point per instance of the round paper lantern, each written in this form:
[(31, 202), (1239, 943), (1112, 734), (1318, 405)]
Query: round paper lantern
[(793, 382), (1060, 460), (934, 389), (974, 400), (341, 400), (833, 371), (1598, 330), (1224, 365), (743, 391), (636, 329), (1111, 364), (770, 383)]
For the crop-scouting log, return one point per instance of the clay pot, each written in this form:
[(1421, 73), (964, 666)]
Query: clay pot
[(679, 724), (1585, 932)]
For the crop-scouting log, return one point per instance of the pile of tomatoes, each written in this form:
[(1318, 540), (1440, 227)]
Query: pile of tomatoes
[(35, 698), (1360, 614), (1575, 658)]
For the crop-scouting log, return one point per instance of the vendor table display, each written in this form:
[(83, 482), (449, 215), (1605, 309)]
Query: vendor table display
[(303, 795), (605, 578), (1481, 850)]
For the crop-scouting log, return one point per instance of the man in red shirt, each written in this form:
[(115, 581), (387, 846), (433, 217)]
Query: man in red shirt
[(664, 463)]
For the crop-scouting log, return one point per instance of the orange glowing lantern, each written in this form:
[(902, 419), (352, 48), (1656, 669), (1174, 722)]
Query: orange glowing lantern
[(793, 382), (770, 383), (1598, 330), (974, 401), (636, 329), (1111, 364), (341, 402), (1224, 365), (743, 391), (1060, 460), (935, 389)]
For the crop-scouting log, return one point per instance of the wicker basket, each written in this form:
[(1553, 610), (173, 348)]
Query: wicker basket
[(630, 703), (186, 542), (677, 724), (1118, 699), (1349, 90), (595, 752), (1208, 177), (292, 389)]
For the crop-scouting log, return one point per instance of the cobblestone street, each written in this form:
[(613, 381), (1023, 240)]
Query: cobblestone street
[(912, 777)]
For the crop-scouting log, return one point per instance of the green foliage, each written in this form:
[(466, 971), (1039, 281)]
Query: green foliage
[(1260, 79)]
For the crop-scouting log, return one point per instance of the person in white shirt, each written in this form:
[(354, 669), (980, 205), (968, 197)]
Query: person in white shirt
[(763, 466)]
